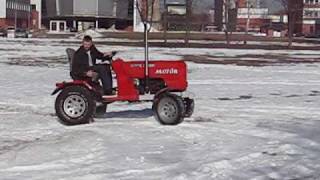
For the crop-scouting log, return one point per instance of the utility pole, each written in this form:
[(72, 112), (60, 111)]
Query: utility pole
[(249, 6), (165, 22)]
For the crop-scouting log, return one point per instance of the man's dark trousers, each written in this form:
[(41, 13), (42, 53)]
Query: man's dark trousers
[(105, 75)]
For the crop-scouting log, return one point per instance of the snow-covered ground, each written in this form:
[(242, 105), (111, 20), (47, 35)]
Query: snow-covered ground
[(249, 122)]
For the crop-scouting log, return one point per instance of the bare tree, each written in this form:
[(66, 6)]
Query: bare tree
[(226, 4), (188, 19), (250, 5), (229, 5), (156, 14), (146, 10), (292, 9)]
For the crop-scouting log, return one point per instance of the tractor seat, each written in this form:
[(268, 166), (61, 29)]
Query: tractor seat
[(70, 54)]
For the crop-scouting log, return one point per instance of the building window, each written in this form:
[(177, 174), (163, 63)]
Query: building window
[(308, 13), (311, 30), (54, 26), (62, 26)]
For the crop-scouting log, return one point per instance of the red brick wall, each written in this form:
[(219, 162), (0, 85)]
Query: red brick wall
[(242, 3), (254, 23), (3, 23), (308, 29), (10, 22), (312, 5)]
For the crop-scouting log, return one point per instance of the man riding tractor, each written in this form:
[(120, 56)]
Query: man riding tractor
[(160, 82), (85, 65)]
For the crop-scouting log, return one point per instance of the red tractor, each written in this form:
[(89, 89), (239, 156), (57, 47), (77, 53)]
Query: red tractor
[(80, 100)]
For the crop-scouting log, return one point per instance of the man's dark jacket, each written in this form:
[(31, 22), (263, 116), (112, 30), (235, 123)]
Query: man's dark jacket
[(80, 64)]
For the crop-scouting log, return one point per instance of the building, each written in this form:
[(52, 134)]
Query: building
[(311, 17), (252, 10), (36, 13), (15, 13), (61, 15), (239, 13)]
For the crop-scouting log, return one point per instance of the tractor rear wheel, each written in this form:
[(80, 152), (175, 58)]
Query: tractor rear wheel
[(189, 105), (75, 105), (169, 109)]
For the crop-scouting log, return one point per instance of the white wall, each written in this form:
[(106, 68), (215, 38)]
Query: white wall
[(3, 8), (38, 7), (261, 13), (85, 7)]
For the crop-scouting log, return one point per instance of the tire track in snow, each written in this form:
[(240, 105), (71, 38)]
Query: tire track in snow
[(16, 108)]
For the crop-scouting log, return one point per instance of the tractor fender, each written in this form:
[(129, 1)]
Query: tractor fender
[(63, 85), (56, 91), (164, 90)]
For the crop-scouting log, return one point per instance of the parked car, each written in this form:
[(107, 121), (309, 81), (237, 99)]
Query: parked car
[(21, 33), (299, 35), (3, 33), (312, 36), (11, 32)]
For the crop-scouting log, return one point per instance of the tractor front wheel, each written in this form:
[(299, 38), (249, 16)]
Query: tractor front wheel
[(169, 109)]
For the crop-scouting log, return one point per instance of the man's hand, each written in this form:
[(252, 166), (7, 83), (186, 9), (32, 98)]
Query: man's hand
[(107, 54), (91, 74)]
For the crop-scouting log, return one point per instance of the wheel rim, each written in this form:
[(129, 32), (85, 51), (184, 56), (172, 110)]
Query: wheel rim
[(168, 110), (74, 106)]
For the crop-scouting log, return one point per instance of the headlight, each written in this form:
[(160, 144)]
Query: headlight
[(136, 82)]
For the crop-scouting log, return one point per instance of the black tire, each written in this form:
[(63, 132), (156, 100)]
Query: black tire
[(189, 106), (101, 110), (169, 109), (75, 105)]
